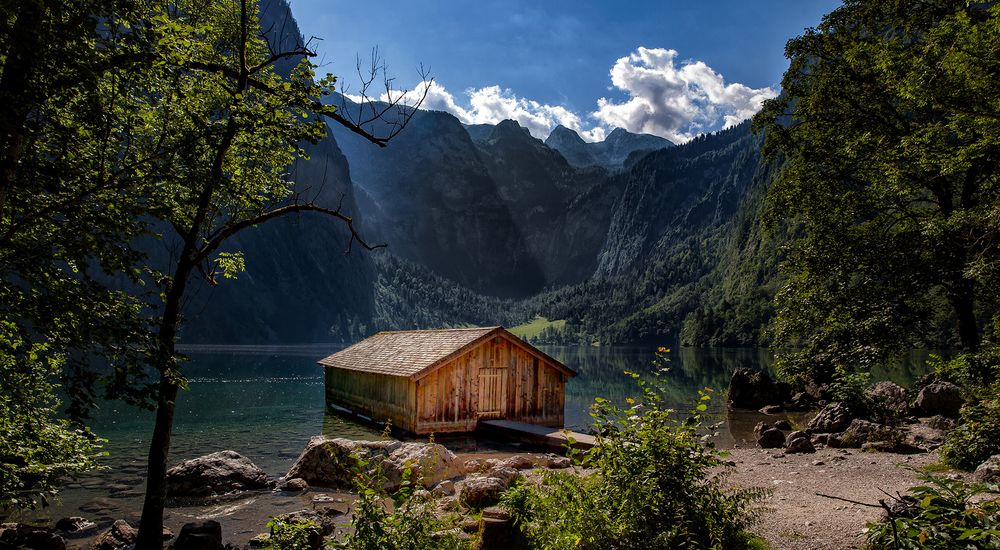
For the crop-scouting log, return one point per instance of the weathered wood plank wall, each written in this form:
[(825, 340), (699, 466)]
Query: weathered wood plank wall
[(376, 396), (451, 398)]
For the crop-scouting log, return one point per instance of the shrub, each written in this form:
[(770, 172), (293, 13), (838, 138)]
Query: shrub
[(300, 534), (39, 448), (403, 520), (969, 370), (849, 388), (977, 436), (651, 486), (943, 514)]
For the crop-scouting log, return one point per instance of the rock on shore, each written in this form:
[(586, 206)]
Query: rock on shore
[(332, 462), (219, 473)]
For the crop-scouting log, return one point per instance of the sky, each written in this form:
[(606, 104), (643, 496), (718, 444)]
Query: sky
[(670, 68)]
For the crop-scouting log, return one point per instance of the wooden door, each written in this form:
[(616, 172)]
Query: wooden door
[(492, 392)]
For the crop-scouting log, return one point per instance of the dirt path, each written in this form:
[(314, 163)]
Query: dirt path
[(799, 519)]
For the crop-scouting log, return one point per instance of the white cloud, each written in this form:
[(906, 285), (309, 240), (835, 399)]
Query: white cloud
[(491, 104), (675, 102), (671, 101)]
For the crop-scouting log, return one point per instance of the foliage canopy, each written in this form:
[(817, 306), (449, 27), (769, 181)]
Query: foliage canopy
[(889, 124)]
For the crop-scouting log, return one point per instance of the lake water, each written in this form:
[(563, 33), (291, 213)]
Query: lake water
[(266, 403)]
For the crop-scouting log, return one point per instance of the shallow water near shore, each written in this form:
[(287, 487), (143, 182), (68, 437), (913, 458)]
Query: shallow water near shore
[(266, 402)]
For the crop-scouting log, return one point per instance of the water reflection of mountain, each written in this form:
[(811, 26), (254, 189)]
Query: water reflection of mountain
[(601, 373)]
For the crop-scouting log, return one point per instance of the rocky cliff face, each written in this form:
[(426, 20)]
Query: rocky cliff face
[(430, 196), (576, 151), (684, 253), (562, 211), (620, 143), (502, 214), (673, 193)]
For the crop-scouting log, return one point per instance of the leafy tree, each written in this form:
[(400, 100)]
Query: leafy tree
[(889, 124), (68, 209), (234, 124), (37, 447), (132, 122)]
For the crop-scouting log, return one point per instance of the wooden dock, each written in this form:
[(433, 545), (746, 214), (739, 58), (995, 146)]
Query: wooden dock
[(535, 434)]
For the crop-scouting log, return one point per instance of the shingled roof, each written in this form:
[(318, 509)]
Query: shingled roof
[(405, 352), (410, 352)]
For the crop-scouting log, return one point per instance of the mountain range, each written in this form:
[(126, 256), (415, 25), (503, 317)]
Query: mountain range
[(612, 153), (630, 239)]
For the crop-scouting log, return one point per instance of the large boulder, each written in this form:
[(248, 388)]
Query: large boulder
[(429, 463), (553, 462), (760, 428), (750, 389), (800, 401), (771, 438), (834, 417), (19, 535), (498, 531), (119, 536), (988, 471), (518, 462), (942, 398), (505, 474), (481, 491), (220, 473), (202, 535), (294, 485), (890, 397), (332, 462), (877, 436), (798, 442), (941, 423)]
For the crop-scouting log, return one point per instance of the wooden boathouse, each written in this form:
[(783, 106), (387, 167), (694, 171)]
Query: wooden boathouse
[(447, 380)]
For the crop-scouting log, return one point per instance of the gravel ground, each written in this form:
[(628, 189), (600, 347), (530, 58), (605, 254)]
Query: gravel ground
[(799, 519)]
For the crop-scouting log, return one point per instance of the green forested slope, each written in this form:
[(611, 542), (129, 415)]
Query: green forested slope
[(684, 250)]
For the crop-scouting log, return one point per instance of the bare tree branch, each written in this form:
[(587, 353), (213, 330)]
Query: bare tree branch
[(214, 243)]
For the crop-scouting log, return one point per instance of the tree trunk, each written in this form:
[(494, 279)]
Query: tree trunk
[(151, 524), (963, 299), (15, 100)]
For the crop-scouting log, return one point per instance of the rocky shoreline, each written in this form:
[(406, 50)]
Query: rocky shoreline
[(321, 479), (807, 450), (797, 517)]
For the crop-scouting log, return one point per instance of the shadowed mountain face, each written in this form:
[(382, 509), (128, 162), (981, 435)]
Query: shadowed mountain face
[(563, 211), (299, 285), (612, 153), (430, 197), (504, 215)]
